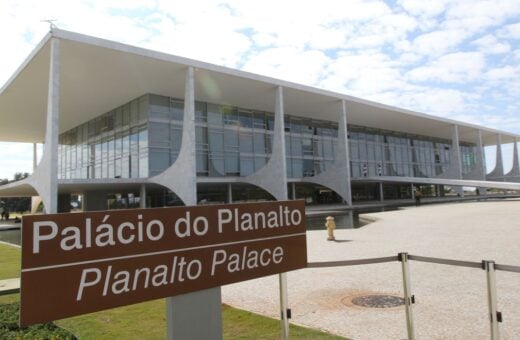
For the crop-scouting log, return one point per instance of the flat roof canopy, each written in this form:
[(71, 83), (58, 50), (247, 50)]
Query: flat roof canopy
[(98, 75)]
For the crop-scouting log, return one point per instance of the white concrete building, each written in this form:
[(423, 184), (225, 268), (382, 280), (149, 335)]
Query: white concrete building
[(120, 123)]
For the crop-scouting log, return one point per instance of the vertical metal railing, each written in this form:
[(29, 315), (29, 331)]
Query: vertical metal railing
[(494, 316), (282, 277), (405, 265)]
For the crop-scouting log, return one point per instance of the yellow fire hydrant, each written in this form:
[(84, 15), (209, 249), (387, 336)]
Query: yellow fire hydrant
[(331, 225)]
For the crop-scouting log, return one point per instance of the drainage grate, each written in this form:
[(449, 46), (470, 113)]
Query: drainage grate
[(378, 301)]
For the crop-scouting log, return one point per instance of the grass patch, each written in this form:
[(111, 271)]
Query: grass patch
[(10, 259), (148, 320), (9, 327), (239, 324), (9, 262)]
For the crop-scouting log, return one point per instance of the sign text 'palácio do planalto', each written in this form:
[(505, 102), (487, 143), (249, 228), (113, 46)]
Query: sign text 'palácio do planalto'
[(79, 263)]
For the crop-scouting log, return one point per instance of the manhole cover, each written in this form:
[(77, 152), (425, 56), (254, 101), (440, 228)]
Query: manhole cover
[(378, 301)]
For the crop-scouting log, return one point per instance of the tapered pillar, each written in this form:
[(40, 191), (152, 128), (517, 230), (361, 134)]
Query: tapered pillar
[(273, 176), (45, 178), (498, 171), (195, 315), (337, 176), (181, 176), (52, 132), (515, 170)]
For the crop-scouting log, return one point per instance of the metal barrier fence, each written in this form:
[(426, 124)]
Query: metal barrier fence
[(489, 267), (495, 317)]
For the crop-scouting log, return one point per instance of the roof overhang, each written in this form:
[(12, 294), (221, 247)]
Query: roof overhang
[(98, 75)]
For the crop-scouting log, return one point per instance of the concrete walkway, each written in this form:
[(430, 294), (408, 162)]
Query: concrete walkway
[(9, 286), (9, 225), (450, 301)]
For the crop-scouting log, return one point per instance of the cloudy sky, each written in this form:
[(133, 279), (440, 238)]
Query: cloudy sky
[(455, 59)]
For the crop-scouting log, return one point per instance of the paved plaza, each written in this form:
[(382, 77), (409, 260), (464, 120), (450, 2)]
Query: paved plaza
[(450, 301)]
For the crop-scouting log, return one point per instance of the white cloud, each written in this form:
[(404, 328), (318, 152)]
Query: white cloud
[(490, 45), (289, 64), (475, 16), (510, 31), (390, 29), (424, 9), (438, 42), (324, 38), (504, 73), (263, 39), (455, 67)]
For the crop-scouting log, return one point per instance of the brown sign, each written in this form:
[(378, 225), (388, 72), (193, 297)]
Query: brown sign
[(79, 263)]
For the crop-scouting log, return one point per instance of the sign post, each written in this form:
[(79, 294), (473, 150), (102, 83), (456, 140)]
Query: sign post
[(80, 263)]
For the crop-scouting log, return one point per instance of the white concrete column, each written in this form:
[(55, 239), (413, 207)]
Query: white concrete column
[(499, 161), (273, 176), (479, 170), (181, 176), (230, 193), (456, 165), (35, 156), (344, 140), (498, 171), (481, 165), (283, 195), (142, 196), (337, 176), (515, 170), (195, 315), (45, 178), (279, 111), (53, 125), (35, 200)]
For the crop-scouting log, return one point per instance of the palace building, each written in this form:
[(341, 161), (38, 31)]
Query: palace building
[(121, 123)]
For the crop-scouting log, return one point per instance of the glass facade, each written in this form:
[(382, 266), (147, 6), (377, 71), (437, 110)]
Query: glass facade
[(113, 145), (375, 152), (310, 146), (143, 138), (165, 125), (231, 141)]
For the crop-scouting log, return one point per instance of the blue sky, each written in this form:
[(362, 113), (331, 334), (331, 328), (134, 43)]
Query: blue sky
[(455, 59)]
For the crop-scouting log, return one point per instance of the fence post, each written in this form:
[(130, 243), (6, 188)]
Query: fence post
[(403, 258), (489, 267), (284, 305)]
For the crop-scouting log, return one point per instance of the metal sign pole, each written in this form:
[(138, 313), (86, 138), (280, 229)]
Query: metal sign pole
[(489, 267), (283, 305), (403, 257)]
